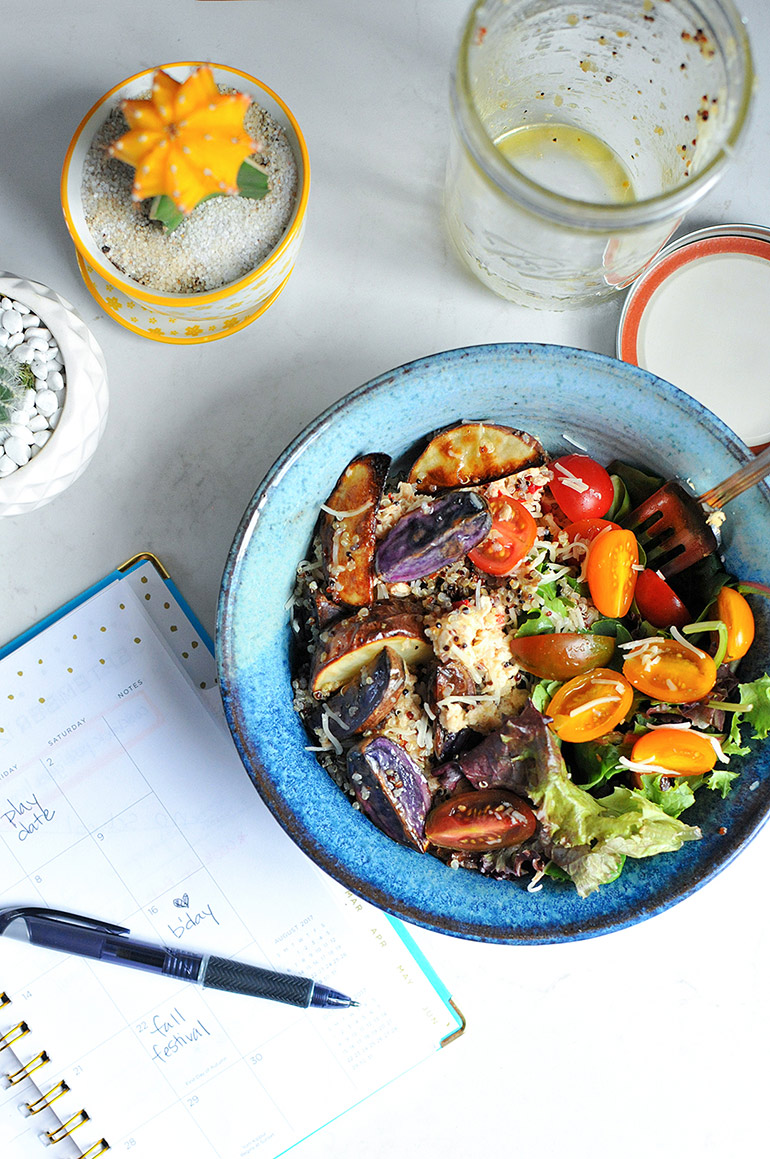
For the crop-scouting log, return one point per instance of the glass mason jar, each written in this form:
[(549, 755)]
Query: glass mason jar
[(582, 134)]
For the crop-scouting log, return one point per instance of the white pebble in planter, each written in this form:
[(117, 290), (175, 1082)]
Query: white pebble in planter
[(56, 422)]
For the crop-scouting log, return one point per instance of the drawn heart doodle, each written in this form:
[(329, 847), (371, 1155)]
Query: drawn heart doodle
[(183, 901)]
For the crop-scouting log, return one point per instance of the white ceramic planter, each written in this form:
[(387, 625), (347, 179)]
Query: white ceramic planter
[(84, 414), (183, 318)]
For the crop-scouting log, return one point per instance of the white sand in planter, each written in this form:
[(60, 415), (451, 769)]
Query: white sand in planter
[(222, 240)]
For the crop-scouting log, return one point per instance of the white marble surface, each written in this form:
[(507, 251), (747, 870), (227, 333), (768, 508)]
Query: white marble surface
[(649, 1042)]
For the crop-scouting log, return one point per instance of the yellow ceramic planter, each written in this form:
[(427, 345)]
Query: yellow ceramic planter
[(183, 318)]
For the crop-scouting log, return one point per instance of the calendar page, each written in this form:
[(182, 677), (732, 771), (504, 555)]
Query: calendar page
[(122, 798)]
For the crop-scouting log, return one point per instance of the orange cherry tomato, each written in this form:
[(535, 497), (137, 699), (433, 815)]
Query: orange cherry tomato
[(590, 705), (612, 558), (588, 529), (738, 618), (658, 602), (512, 535), (482, 820), (561, 655), (682, 752), (669, 671)]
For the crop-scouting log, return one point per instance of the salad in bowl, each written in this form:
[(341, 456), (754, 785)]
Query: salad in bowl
[(492, 670)]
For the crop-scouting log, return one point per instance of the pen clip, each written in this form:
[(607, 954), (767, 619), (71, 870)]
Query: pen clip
[(56, 915)]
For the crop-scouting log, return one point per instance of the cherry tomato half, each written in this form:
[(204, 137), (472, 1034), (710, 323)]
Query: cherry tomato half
[(738, 618), (590, 705), (485, 819), (513, 532), (588, 529), (561, 655), (658, 602), (669, 671), (581, 487), (682, 752), (610, 571)]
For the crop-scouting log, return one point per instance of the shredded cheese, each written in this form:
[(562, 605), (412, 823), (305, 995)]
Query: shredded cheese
[(333, 716), (574, 442), (644, 767), (725, 760), (638, 645), (680, 639), (569, 479), (591, 704), (347, 514)]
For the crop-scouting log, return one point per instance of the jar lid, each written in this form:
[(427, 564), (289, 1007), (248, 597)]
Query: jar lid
[(698, 317)]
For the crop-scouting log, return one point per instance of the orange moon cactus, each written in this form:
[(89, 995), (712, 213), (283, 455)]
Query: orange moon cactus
[(187, 140)]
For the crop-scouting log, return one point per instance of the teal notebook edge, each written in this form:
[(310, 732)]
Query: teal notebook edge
[(119, 573)]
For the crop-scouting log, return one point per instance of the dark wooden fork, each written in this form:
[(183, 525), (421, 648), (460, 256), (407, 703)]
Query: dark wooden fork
[(675, 528)]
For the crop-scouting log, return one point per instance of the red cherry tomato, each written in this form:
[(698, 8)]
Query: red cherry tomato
[(561, 655), (588, 529), (610, 571), (682, 752), (581, 487), (738, 618), (591, 705), (658, 602), (513, 533), (482, 820), (669, 671)]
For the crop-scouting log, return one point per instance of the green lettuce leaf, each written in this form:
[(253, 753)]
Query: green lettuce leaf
[(542, 692), (535, 624), (680, 795), (638, 484), (757, 694), (621, 502), (595, 762), (720, 780), (591, 838)]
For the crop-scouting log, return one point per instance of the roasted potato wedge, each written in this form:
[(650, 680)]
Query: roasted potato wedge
[(474, 453), (450, 679), (347, 530), (346, 646), (368, 698)]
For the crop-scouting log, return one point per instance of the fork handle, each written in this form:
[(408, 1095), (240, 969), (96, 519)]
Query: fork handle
[(745, 477)]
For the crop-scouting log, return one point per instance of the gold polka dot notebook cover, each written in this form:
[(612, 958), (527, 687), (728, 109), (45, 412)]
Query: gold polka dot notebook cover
[(82, 657)]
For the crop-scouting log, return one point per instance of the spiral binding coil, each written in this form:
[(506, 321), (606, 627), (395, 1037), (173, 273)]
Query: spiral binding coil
[(13, 1035), (44, 1101), (49, 1097)]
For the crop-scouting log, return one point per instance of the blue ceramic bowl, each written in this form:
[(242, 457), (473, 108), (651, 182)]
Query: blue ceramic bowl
[(614, 410)]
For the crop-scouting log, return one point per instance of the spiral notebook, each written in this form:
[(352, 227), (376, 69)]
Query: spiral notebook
[(122, 797)]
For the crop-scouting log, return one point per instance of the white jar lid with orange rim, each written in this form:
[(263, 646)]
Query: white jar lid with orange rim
[(699, 317)]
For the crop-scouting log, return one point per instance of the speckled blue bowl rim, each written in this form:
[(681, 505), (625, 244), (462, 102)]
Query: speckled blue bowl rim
[(253, 646)]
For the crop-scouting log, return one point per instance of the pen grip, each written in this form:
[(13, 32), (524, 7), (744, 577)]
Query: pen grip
[(240, 978)]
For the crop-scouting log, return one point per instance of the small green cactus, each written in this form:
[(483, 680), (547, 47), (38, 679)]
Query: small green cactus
[(15, 377)]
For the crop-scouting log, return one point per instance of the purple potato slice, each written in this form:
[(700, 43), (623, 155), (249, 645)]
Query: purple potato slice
[(391, 790), (433, 536)]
